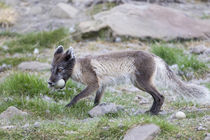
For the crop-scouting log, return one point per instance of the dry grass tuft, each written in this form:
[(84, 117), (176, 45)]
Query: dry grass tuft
[(8, 16)]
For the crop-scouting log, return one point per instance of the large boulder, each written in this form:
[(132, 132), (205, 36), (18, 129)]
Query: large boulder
[(64, 10), (142, 132), (34, 66), (11, 2), (11, 112), (147, 21)]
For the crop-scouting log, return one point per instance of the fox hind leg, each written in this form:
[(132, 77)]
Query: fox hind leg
[(145, 83), (99, 94)]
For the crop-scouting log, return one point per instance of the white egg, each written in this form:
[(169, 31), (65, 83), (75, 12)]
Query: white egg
[(60, 84), (180, 115)]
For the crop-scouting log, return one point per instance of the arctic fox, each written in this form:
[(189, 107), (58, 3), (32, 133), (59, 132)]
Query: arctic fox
[(140, 68)]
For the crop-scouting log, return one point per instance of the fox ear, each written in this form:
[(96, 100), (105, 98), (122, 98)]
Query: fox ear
[(70, 53), (59, 50)]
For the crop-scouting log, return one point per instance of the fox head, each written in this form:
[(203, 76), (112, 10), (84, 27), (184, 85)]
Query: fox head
[(62, 65)]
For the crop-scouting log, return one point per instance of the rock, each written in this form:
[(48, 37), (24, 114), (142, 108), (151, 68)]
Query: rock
[(140, 111), (37, 124), (72, 29), (207, 136), (11, 2), (26, 126), (180, 115), (34, 66), (64, 10), (11, 112), (201, 128), (36, 51), (163, 113), (8, 127), (198, 49), (47, 99), (141, 100), (104, 108), (118, 39), (5, 67), (36, 10), (143, 21), (207, 51), (5, 47), (143, 132)]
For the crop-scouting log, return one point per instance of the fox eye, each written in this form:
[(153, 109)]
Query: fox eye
[(60, 69)]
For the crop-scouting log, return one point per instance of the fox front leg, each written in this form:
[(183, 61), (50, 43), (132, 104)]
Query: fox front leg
[(87, 91)]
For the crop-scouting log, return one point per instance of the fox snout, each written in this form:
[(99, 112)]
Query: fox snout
[(51, 84)]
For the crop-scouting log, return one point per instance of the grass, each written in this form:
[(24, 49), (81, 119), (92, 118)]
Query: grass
[(185, 62), (8, 34), (208, 85), (205, 16), (28, 42), (26, 91), (23, 84)]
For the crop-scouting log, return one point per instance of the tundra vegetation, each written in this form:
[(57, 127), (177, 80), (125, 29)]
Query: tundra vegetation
[(29, 92)]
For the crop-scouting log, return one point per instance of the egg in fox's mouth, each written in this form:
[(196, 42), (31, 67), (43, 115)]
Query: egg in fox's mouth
[(58, 85)]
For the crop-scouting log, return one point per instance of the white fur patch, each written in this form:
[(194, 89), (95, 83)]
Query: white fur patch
[(112, 72), (71, 51)]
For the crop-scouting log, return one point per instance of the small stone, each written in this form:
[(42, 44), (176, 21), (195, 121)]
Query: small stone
[(140, 111), (8, 127), (72, 29), (118, 39), (47, 111), (201, 128), (163, 113), (180, 115), (36, 51), (26, 126), (5, 47), (141, 100), (198, 49), (37, 124)]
